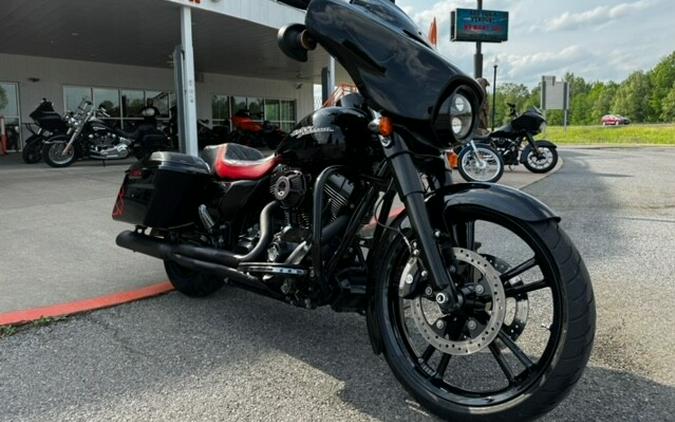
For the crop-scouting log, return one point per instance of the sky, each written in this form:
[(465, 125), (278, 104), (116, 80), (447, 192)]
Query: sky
[(596, 39)]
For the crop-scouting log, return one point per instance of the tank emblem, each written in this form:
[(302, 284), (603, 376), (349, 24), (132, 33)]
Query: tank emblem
[(308, 130)]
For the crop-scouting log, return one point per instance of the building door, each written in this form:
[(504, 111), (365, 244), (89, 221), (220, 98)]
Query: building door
[(9, 109)]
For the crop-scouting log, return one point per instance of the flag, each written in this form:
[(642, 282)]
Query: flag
[(433, 34)]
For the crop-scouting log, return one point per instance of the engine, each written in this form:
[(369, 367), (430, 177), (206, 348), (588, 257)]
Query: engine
[(293, 189), (105, 144)]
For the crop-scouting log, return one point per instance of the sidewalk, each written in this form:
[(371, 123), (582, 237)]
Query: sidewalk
[(58, 240)]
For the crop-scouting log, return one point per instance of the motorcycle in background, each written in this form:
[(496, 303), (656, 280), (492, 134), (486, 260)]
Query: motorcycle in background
[(516, 144), (480, 162), (46, 123), (249, 132), (88, 136), (511, 145)]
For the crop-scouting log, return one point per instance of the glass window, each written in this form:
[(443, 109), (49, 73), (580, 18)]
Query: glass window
[(9, 99), (220, 107), (272, 110), (288, 110), (238, 104), (74, 96), (161, 100), (133, 102), (9, 109), (109, 99), (255, 107)]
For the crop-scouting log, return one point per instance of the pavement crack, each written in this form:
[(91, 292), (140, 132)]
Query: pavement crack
[(117, 336)]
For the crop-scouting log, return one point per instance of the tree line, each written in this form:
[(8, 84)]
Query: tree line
[(644, 97)]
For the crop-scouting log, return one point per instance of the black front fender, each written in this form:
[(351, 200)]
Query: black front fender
[(503, 199)]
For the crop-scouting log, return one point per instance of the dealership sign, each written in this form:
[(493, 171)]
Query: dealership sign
[(479, 25)]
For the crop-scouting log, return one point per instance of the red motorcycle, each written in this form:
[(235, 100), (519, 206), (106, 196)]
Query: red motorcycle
[(249, 132)]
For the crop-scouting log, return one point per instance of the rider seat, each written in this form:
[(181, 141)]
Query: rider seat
[(232, 161)]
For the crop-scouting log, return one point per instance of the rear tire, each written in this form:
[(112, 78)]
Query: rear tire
[(190, 282), (32, 151)]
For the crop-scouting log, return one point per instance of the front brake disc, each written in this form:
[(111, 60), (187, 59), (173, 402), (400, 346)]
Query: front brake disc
[(425, 312)]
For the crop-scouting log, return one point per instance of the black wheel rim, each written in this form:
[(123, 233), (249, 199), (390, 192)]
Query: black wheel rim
[(434, 379)]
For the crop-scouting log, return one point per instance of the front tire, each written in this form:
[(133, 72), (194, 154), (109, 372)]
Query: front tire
[(489, 168), (529, 392), (190, 282), (545, 162), (52, 153)]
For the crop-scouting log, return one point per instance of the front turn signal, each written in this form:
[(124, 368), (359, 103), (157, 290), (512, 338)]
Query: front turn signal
[(386, 127)]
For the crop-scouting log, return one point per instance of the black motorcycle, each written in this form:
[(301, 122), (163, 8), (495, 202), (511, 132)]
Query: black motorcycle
[(249, 132), (478, 300), (88, 136), (46, 123), (516, 144)]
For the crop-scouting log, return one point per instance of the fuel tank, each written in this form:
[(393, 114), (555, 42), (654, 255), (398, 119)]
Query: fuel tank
[(330, 136)]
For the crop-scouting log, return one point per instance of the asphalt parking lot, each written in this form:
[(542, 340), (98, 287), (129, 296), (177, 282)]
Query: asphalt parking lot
[(237, 356)]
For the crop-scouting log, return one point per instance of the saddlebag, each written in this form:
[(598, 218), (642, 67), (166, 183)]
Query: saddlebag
[(163, 191)]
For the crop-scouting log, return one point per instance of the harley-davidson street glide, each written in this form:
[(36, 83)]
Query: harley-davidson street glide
[(477, 299)]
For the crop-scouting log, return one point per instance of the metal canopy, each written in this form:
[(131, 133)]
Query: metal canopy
[(144, 33)]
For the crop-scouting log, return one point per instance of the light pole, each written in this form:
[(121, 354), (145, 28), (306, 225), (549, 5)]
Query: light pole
[(494, 91), (478, 57)]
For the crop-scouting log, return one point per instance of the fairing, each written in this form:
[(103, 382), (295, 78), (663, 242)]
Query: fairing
[(386, 56)]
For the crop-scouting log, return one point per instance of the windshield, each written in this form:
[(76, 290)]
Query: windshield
[(384, 53)]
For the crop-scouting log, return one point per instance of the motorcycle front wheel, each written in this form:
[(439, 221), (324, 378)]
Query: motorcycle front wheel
[(483, 165), (524, 332), (545, 162), (54, 156)]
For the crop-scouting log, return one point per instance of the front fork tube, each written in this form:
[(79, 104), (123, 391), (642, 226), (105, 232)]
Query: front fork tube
[(69, 145), (530, 142), (412, 192)]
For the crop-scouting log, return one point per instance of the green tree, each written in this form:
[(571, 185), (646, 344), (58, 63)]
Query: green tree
[(603, 102), (662, 78), (517, 94), (668, 106), (632, 97)]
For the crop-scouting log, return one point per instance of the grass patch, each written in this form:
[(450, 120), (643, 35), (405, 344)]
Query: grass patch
[(663, 134), (10, 330), (7, 330)]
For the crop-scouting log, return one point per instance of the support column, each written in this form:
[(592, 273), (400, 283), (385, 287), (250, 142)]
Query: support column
[(331, 74), (189, 90)]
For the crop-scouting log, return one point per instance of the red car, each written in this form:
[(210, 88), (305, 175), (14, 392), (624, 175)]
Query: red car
[(614, 120)]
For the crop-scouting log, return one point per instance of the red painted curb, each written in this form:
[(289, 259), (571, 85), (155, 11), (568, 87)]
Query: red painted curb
[(28, 315)]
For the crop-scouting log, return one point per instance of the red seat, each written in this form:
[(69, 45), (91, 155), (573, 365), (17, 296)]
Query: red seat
[(238, 162)]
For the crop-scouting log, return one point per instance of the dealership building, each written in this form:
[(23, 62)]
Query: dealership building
[(218, 55)]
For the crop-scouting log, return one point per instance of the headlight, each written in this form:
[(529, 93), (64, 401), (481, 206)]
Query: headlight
[(461, 116), (542, 127), (457, 116)]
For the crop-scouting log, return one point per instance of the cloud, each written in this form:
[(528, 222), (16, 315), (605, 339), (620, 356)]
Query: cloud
[(599, 15), (529, 66)]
